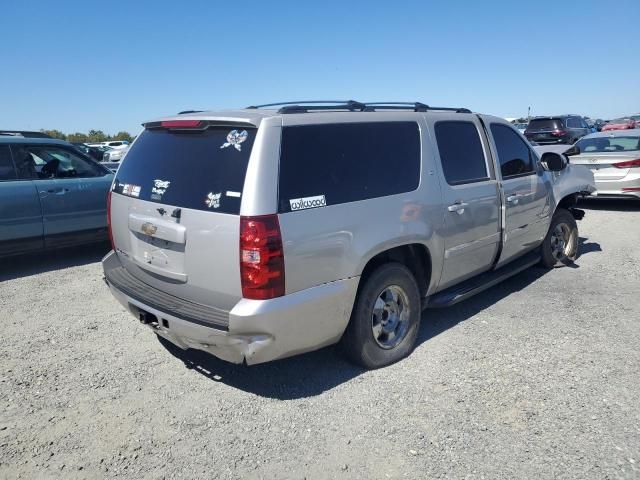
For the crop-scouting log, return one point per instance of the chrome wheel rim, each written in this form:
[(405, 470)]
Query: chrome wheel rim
[(390, 317), (561, 242)]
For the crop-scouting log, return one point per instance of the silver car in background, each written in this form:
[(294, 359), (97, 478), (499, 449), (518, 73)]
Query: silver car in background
[(614, 159)]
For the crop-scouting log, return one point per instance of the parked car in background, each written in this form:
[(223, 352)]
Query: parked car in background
[(51, 195), (115, 144), (521, 127), (94, 152), (625, 123), (263, 233), (561, 129), (114, 154), (614, 159)]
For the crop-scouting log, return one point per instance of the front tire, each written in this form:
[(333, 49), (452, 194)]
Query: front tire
[(386, 318), (560, 246)]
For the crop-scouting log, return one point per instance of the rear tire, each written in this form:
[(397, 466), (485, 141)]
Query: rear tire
[(386, 318), (560, 246)]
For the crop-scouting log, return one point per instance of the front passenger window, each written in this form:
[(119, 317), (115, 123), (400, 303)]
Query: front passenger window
[(514, 155)]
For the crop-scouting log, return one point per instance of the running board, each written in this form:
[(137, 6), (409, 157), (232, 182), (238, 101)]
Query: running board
[(479, 283)]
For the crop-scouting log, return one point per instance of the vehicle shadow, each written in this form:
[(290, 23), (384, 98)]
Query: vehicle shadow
[(612, 204), (313, 373), (585, 247), (41, 262)]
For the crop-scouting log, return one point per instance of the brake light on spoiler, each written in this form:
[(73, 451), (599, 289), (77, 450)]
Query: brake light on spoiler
[(181, 124)]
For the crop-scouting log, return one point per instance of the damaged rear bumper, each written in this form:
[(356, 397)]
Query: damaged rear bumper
[(258, 330)]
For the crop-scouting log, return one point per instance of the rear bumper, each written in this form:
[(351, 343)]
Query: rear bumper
[(615, 188), (258, 330)]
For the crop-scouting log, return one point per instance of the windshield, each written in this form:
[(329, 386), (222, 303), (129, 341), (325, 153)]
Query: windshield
[(203, 170), (609, 144), (621, 120), (545, 124)]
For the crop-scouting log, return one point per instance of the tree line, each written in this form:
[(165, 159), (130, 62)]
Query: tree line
[(94, 136)]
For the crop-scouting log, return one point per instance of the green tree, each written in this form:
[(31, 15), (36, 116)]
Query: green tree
[(78, 137), (123, 136), (97, 136), (54, 134)]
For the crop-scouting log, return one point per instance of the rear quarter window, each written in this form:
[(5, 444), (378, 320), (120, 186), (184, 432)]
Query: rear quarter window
[(331, 164), (187, 169)]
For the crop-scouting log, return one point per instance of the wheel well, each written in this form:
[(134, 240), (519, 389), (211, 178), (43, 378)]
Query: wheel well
[(414, 256), (568, 201)]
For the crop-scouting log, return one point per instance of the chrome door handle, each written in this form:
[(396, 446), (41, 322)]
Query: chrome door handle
[(513, 199), (458, 207)]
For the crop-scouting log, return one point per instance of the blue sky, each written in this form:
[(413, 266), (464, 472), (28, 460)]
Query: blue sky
[(74, 65)]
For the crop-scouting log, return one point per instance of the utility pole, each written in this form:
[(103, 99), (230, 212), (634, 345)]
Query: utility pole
[(528, 114)]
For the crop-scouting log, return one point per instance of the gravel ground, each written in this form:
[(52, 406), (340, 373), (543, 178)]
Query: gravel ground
[(537, 378)]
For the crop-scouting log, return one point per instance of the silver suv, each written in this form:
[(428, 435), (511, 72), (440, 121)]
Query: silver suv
[(262, 233)]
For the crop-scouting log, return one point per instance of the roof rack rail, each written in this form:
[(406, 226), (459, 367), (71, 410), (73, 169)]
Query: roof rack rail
[(354, 106), (184, 112), (24, 133)]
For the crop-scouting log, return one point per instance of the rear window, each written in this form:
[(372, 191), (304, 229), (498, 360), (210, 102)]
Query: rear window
[(609, 144), (545, 124), (202, 170), (331, 164)]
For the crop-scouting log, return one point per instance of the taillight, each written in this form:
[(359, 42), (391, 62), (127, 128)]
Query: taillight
[(109, 220), (628, 164), (558, 133), (261, 257)]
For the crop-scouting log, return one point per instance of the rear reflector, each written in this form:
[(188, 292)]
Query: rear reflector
[(261, 257), (109, 220), (631, 189), (628, 164), (181, 124)]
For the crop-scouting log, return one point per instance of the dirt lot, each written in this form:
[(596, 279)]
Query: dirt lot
[(537, 378)]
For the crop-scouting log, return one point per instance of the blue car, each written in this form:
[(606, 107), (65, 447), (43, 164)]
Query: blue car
[(51, 195)]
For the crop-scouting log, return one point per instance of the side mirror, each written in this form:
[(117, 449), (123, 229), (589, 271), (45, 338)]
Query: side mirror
[(554, 162)]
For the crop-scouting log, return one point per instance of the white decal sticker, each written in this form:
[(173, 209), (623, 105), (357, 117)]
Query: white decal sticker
[(160, 186), (307, 202), (233, 194), (213, 200), (235, 138), (135, 191)]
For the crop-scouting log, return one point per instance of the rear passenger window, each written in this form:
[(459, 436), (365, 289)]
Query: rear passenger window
[(7, 170), (513, 153), (338, 163), (461, 153)]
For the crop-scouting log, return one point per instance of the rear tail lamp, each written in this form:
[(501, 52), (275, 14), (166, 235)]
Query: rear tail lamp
[(628, 164), (109, 220), (261, 257), (558, 133)]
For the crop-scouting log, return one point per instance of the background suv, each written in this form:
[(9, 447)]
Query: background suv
[(557, 129)]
